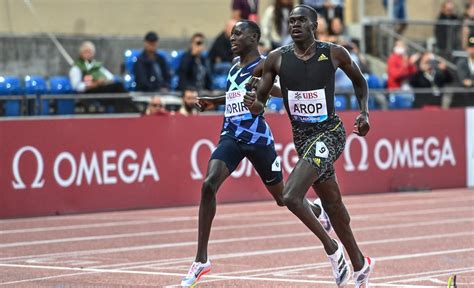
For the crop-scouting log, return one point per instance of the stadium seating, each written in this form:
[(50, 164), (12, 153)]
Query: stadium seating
[(175, 60), (36, 85), (400, 101), (10, 85), (130, 58), (62, 85), (340, 103), (219, 82), (275, 104), (129, 82)]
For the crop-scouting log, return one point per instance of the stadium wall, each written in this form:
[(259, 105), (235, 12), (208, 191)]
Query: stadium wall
[(59, 166)]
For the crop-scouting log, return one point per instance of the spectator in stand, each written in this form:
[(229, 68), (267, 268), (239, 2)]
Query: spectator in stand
[(188, 107), (245, 9), (193, 70), (337, 32), (156, 107), (465, 71), (399, 11), (329, 9), (432, 73), (447, 35), (274, 23), (151, 70), (468, 24), (220, 51), (89, 76), (400, 67), (322, 32)]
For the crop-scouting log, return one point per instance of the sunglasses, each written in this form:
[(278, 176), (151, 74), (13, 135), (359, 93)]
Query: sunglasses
[(199, 43)]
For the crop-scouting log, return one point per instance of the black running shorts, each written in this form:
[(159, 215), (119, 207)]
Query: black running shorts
[(320, 144), (263, 158)]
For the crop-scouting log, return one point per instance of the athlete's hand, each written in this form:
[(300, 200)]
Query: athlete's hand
[(203, 104), (251, 95), (361, 125)]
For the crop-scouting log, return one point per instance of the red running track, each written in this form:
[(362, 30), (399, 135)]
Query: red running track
[(418, 239)]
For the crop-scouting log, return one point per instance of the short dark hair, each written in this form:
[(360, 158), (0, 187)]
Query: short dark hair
[(314, 14), (253, 27), (197, 35), (151, 37)]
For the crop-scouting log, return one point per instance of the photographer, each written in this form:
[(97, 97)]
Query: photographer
[(432, 73)]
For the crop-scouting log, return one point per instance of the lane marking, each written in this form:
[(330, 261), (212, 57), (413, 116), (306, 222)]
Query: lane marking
[(182, 244), (404, 203), (217, 228), (179, 275)]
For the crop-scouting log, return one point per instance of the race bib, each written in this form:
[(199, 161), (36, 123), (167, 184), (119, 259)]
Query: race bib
[(235, 107), (308, 106)]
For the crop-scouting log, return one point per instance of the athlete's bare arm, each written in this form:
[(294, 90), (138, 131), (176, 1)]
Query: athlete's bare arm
[(255, 101), (342, 59)]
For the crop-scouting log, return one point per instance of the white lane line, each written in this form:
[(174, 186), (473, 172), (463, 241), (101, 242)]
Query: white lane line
[(430, 278), (298, 249), (223, 216), (233, 278), (425, 274), (182, 244), (217, 228), (382, 259)]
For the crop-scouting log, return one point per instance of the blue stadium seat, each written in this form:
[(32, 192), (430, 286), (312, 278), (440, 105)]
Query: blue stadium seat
[(222, 68), (11, 85), (219, 82), (275, 104), (400, 101), (373, 81), (175, 60), (62, 85), (36, 85), (129, 82), (174, 82), (130, 58), (340, 103)]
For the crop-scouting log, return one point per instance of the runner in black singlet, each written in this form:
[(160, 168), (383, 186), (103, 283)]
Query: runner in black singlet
[(306, 70)]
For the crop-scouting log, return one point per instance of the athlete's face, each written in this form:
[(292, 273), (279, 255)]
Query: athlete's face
[(301, 25), (241, 38)]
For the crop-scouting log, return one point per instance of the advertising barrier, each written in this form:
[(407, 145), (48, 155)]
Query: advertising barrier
[(470, 146), (59, 166)]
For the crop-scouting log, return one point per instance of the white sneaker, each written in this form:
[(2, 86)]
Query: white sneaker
[(323, 217), (195, 272), (340, 269), (361, 278)]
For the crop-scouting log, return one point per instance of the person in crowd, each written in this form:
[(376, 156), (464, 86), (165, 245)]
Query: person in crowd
[(188, 107), (465, 71), (433, 74), (245, 9), (329, 9), (151, 70), (220, 51), (88, 75), (399, 14), (337, 33), (156, 107), (274, 23), (400, 67), (447, 35), (322, 31), (193, 70), (468, 24)]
